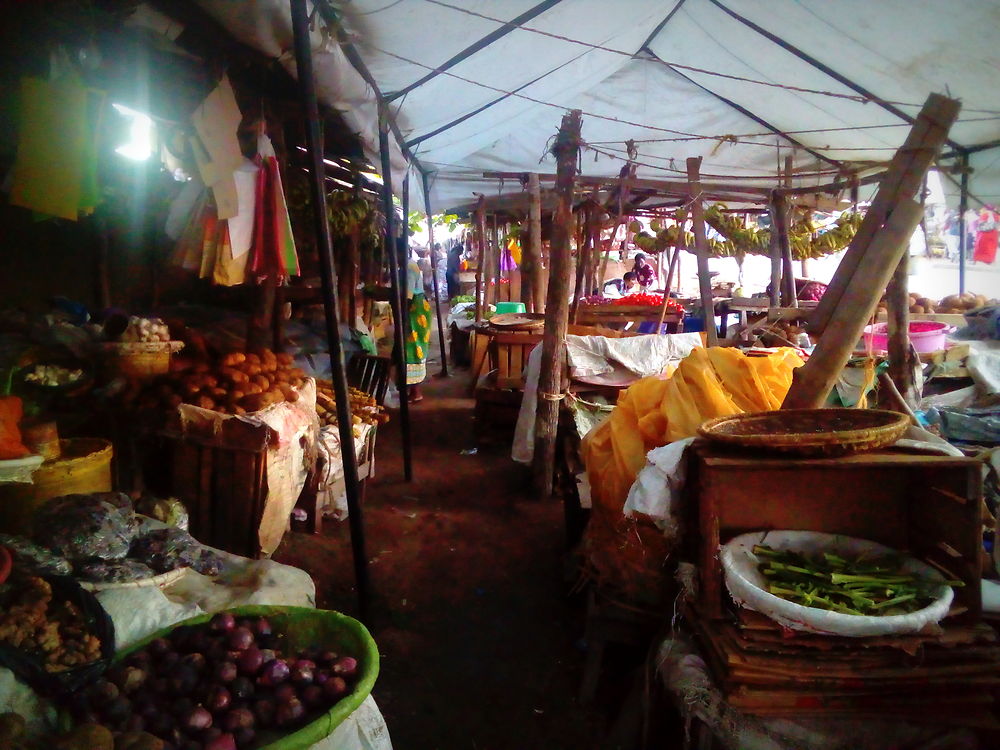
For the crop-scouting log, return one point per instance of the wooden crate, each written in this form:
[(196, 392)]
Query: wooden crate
[(224, 491), (617, 315), (927, 505)]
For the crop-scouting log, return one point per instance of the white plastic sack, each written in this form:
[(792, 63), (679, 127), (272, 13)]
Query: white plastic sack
[(658, 490), (747, 585)]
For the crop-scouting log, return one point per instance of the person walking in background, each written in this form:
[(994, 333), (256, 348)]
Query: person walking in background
[(454, 266), (643, 271)]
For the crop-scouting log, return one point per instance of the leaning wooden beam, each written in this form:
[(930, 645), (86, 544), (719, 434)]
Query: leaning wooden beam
[(906, 174), (566, 150), (666, 287), (701, 249), (812, 382)]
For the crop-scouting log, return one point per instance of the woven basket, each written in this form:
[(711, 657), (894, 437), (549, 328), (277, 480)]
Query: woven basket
[(809, 432), (140, 359)]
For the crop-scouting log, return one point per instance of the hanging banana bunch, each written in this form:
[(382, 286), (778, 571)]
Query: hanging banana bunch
[(802, 237)]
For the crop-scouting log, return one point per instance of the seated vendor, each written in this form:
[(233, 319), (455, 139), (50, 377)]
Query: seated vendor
[(630, 284), (642, 271)]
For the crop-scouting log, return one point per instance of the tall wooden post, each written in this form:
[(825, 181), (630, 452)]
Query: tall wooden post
[(397, 277), (624, 178), (535, 234), (566, 151), (788, 268), (314, 146), (897, 298), (583, 253), (480, 233), (780, 221), (434, 274), (666, 287), (963, 206), (701, 248), (775, 248)]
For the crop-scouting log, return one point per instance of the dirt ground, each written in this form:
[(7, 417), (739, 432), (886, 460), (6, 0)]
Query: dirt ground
[(475, 612)]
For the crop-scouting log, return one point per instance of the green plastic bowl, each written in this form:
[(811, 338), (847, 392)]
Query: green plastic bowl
[(303, 627), (510, 307)]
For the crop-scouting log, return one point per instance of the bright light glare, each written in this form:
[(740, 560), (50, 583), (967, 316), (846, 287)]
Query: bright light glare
[(376, 178), (140, 144)]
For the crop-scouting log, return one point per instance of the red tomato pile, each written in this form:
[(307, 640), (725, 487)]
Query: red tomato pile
[(647, 300)]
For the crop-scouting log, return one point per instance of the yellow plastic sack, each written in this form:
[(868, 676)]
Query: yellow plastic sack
[(660, 409)]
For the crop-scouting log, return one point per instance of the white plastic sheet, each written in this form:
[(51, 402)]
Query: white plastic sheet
[(621, 63), (594, 355)]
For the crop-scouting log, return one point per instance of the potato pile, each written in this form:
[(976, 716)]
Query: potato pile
[(954, 304), (239, 384), (364, 409)]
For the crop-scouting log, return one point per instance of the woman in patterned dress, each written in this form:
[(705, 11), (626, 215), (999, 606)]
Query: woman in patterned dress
[(420, 330)]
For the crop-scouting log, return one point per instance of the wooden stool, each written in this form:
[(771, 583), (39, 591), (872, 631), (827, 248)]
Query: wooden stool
[(611, 622)]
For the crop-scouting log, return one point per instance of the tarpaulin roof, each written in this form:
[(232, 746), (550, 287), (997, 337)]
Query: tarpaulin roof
[(478, 85)]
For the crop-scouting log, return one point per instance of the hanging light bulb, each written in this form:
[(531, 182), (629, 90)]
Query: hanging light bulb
[(139, 146)]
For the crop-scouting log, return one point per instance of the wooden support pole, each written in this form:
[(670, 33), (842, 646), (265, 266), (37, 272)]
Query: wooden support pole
[(625, 178), (787, 267), (906, 174), (480, 233), (535, 235), (530, 260), (566, 151), (787, 271), (314, 147), (963, 206), (897, 298), (666, 288), (583, 253), (701, 249), (397, 279), (775, 247), (812, 382)]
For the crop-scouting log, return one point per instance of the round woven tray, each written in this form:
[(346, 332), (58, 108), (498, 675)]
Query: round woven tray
[(809, 432), (522, 321)]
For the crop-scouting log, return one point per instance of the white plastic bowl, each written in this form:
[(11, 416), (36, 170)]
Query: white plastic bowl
[(747, 584)]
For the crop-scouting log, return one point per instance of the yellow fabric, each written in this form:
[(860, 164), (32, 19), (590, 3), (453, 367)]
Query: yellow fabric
[(660, 409), (52, 148), (514, 246)]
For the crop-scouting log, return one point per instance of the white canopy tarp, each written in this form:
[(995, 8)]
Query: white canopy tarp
[(632, 76)]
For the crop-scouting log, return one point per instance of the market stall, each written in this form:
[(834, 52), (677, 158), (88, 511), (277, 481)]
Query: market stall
[(166, 578)]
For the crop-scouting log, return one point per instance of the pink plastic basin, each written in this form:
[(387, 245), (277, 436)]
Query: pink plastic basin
[(925, 335)]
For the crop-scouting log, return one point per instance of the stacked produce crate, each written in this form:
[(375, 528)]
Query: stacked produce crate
[(925, 506)]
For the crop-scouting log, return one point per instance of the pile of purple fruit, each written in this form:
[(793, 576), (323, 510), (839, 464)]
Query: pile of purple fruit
[(215, 686)]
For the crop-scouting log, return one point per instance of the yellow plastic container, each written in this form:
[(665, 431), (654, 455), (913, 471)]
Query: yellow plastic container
[(84, 466)]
